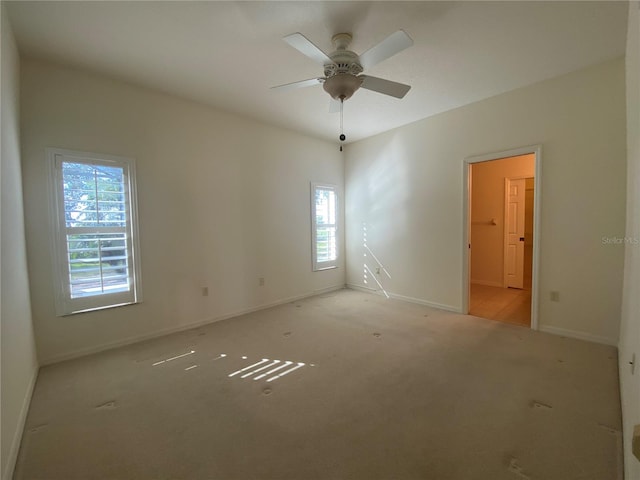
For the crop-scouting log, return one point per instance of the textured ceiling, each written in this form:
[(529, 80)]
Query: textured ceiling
[(228, 54)]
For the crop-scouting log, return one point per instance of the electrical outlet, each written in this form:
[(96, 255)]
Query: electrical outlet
[(205, 291), (554, 296), (261, 281)]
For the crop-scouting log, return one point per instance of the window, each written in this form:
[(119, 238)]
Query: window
[(95, 234), (324, 212)]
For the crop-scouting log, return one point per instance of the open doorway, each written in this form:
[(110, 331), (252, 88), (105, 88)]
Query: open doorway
[(501, 237)]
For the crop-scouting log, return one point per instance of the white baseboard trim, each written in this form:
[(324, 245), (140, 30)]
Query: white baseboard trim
[(563, 332), (168, 331), (17, 437), (419, 301), (439, 306), (360, 288), (322, 291), (487, 283)]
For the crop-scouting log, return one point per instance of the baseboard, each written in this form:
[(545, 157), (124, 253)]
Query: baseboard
[(548, 329), (168, 331), (439, 306), (419, 301), (360, 288), (17, 437), (322, 291), (487, 283), (563, 332)]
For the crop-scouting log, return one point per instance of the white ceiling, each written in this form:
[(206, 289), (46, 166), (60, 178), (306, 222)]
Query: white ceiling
[(228, 54)]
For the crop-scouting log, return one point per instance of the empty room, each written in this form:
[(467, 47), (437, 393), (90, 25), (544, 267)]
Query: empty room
[(320, 240)]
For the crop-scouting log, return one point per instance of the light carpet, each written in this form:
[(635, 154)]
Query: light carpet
[(386, 390)]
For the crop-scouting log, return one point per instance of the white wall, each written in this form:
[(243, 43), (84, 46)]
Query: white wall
[(406, 187), (222, 201), (18, 357), (630, 325)]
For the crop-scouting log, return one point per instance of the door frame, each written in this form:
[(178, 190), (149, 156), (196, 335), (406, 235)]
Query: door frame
[(536, 150)]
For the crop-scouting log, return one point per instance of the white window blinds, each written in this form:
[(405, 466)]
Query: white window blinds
[(95, 231), (324, 207)]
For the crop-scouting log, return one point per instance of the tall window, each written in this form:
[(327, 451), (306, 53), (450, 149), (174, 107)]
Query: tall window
[(95, 231), (324, 215)]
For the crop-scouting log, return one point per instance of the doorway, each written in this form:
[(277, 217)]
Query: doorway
[(501, 237)]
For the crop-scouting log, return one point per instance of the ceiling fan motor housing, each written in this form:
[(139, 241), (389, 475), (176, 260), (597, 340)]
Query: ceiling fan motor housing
[(341, 75), (344, 61)]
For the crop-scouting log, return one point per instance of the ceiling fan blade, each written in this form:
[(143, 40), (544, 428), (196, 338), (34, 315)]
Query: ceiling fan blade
[(387, 87), (302, 83), (334, 106), (306, 47), (394, 43)]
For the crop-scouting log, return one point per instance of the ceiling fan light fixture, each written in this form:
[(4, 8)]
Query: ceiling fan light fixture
[(343, 68), (342, 85)]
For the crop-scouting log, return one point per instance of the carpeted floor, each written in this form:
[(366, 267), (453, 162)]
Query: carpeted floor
[(376, 389)]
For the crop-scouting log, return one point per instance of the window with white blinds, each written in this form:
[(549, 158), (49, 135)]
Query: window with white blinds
[(95, 231), (324, 217)]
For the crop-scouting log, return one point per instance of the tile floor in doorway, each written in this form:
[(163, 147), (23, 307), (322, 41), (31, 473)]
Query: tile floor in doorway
[(508, 305)]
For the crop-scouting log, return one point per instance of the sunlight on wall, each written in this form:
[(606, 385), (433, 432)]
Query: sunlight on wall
[(411, 197), (383, 194), (367, 253)]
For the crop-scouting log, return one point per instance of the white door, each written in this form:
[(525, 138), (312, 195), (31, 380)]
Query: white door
[(514, 254)]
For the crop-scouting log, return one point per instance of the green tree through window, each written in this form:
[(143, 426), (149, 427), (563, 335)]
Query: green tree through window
[(96, 231)]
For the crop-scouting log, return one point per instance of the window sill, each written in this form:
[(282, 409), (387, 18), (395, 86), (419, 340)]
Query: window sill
[(95, 309), (320, 269)]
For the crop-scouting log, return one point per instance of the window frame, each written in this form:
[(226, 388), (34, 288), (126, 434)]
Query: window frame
[(331, 264), (65, 305)]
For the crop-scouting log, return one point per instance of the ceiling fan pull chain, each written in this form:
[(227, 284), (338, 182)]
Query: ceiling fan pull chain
[(342, 136)]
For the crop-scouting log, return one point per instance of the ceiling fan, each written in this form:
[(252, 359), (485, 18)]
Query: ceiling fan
[(343, 68)]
